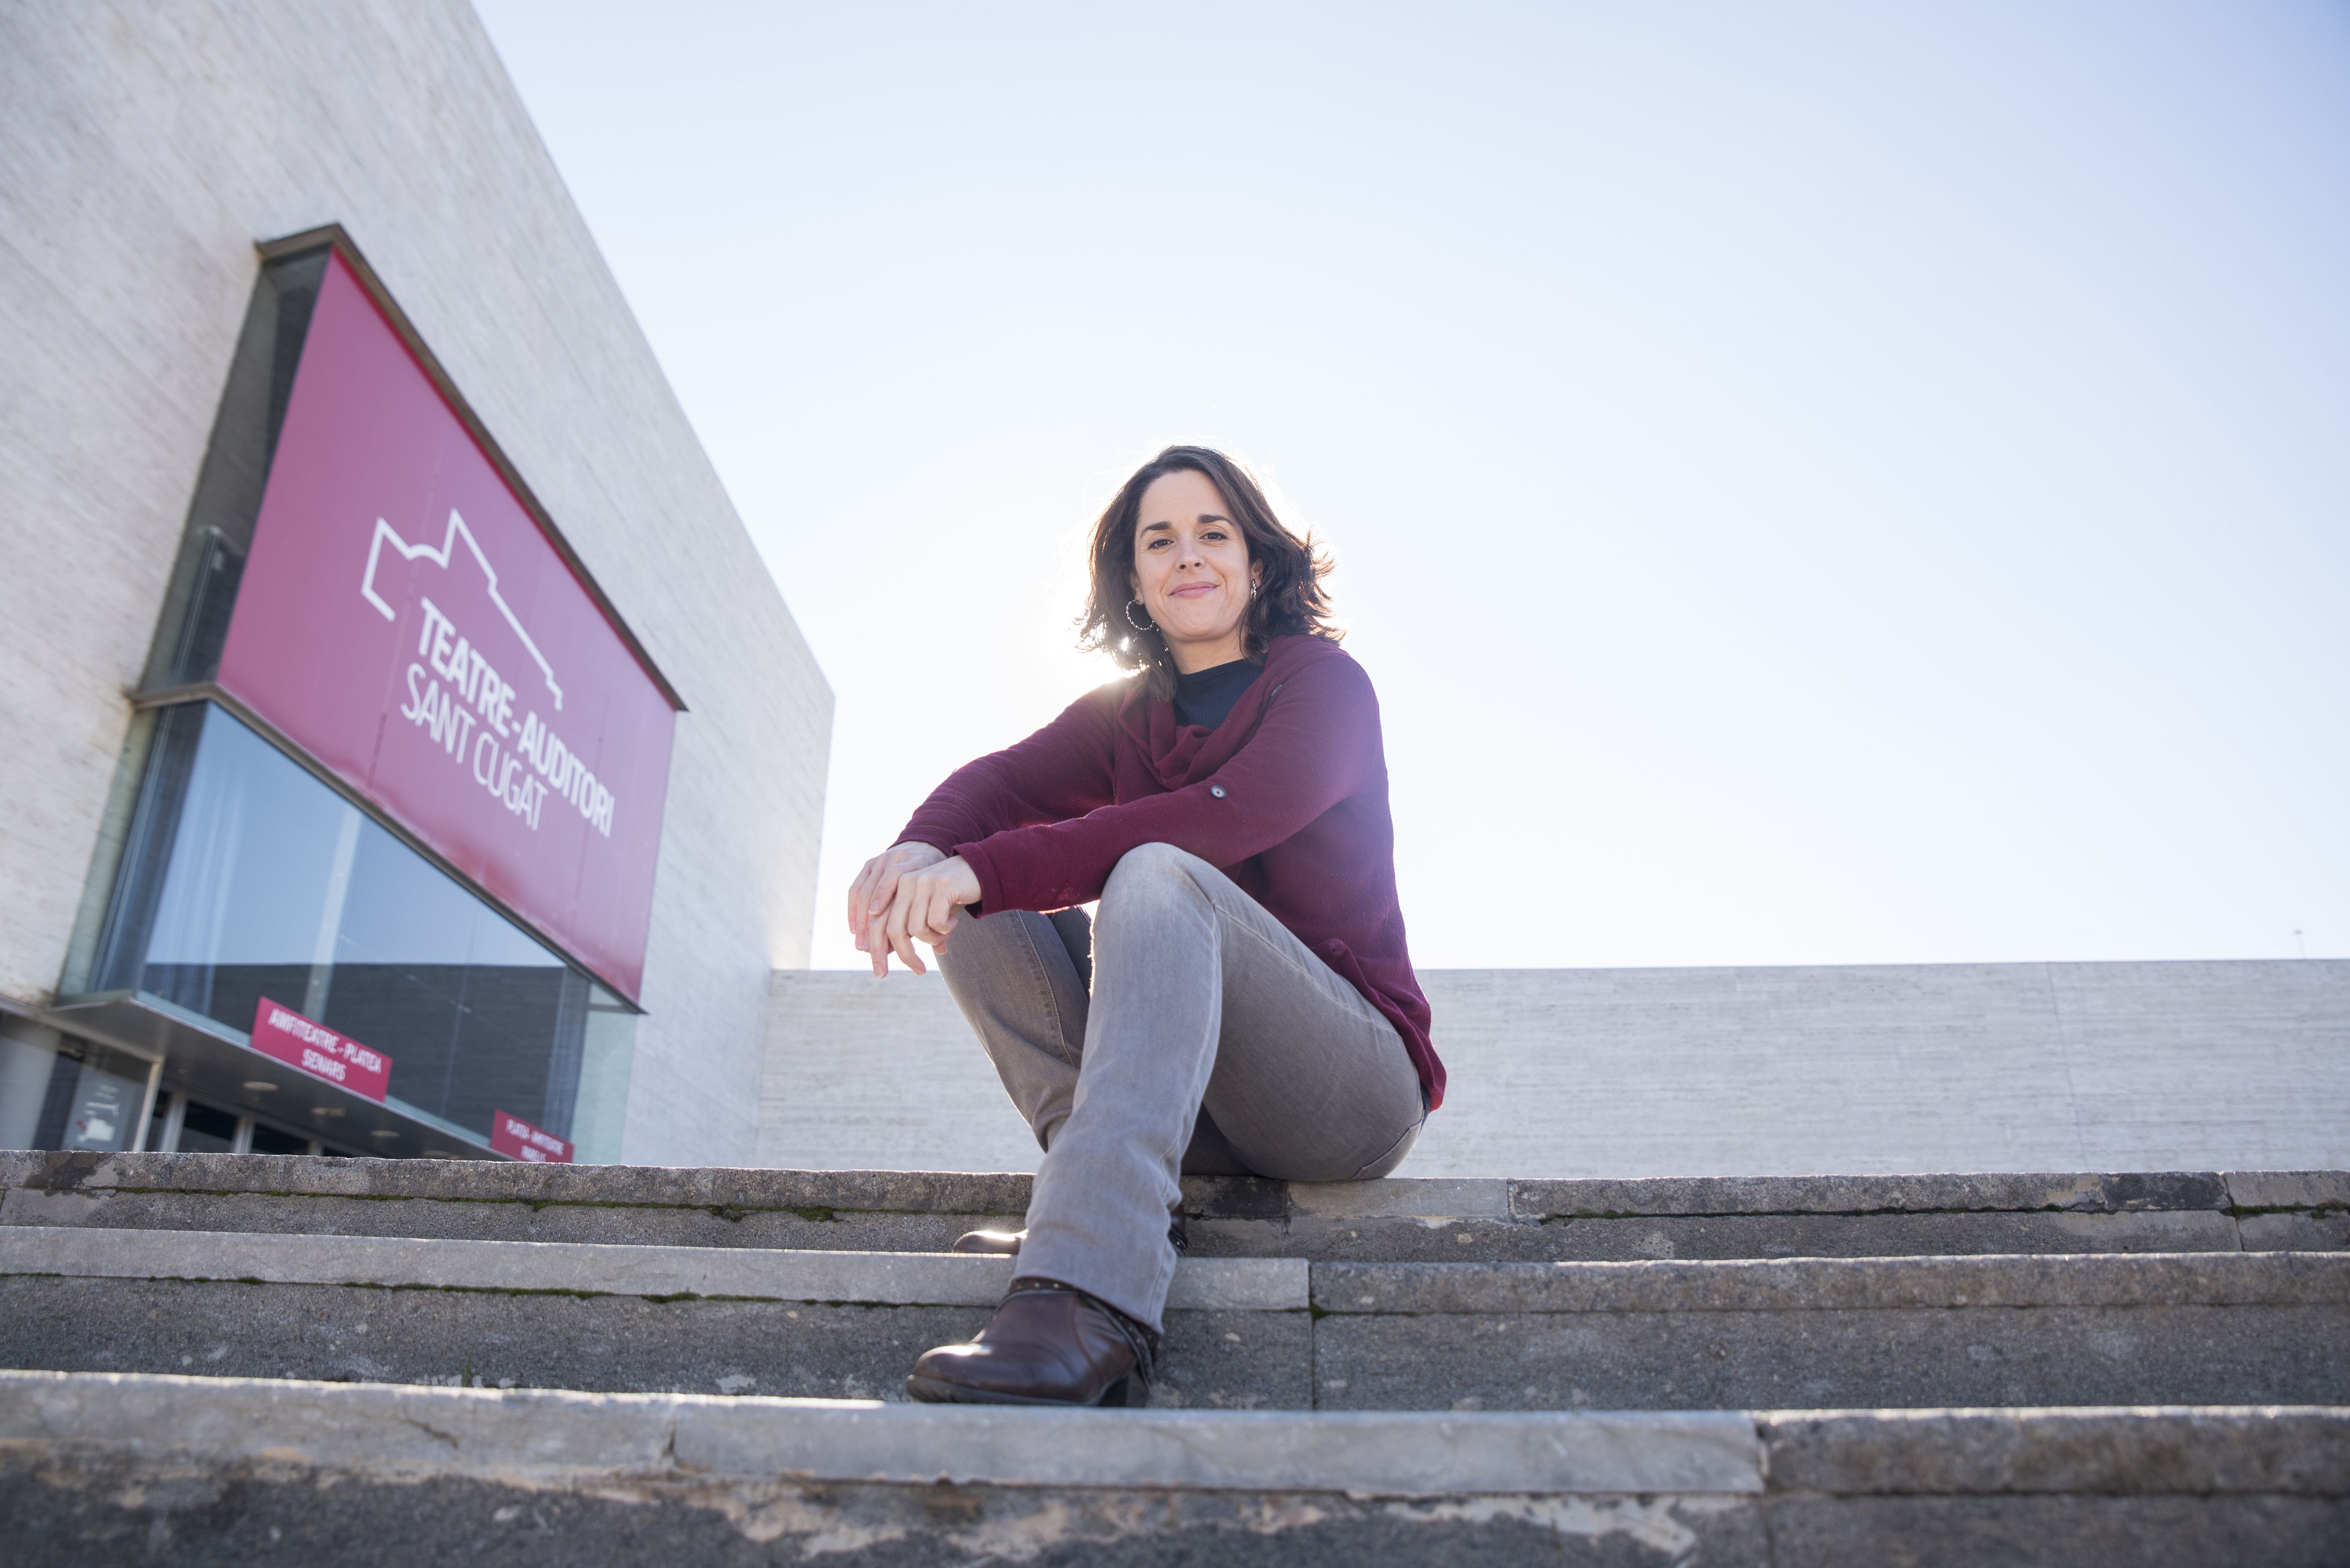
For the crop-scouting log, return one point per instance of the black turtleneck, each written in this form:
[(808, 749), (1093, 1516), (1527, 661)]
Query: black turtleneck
[(1205, 697)]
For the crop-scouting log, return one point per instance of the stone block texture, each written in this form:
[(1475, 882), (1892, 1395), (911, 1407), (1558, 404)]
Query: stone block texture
[(202, 1470), (142, 155), (1397, 1219), (1656, 1073)]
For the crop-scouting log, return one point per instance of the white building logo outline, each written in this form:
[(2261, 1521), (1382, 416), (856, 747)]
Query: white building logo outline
[(440, 558)]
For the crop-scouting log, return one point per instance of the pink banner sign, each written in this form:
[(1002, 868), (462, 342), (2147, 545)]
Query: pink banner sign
[(285, 1035), (403, 619), (518, 1139)]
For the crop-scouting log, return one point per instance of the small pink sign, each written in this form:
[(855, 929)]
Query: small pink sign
[(518, 1139), (285, 1035)]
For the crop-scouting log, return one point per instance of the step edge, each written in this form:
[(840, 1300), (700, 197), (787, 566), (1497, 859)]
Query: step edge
[(550, 1436), (402, 1431), (1520, 1199), (1264, 1284), (1978, 1280), (891, 1278)]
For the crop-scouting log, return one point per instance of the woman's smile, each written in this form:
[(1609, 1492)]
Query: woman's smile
[(1192, 570)]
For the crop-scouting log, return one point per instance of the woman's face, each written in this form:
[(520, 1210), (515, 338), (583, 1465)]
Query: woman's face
[(1191, 569)]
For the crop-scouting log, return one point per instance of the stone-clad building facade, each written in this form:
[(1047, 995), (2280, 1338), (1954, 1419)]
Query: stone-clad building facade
[(326, 440)]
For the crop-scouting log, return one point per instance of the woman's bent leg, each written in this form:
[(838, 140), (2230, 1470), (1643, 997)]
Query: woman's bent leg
[(1020, 980), (1201, 996)]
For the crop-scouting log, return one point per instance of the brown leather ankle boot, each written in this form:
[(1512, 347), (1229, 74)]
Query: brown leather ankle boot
[(1048, 1344), (1007, 1243)]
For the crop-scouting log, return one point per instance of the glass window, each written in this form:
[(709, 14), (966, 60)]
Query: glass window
[(80, 1095), (605, 1058), (273, 884), (109, 1092), (28, 1058), (207, 1130), (267, 1139)]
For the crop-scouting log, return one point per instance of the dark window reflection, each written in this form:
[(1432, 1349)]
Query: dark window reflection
[(267, 1139), (277, 886), (207, 1130)]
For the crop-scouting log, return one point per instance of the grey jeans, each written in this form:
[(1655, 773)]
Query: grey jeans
[(1209, 1041)]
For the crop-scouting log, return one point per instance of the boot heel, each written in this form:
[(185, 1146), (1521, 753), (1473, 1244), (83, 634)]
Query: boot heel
[(1127, 1394)]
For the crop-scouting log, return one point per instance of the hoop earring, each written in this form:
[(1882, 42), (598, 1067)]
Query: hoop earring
[(1143, 624)]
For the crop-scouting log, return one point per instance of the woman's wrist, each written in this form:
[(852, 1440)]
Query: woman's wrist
[(910, 855)]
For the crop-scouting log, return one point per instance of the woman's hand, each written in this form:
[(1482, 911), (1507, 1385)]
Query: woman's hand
[(924, 908), (869, 894), (908, 894)]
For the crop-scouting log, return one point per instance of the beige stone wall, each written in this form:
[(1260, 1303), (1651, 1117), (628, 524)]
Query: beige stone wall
[(1702, 1072), (144, 149)]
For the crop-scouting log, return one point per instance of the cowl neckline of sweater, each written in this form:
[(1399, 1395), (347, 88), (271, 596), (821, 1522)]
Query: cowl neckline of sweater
[(1180, 754)]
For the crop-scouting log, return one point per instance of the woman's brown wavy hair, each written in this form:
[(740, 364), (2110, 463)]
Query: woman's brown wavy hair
[(1289, 602)]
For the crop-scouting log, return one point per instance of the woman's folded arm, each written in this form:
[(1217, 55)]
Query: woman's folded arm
[(1315, 746), (1062, 770)]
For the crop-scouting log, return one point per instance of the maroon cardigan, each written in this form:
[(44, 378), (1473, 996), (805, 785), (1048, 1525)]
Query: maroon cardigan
[(1288, 797)]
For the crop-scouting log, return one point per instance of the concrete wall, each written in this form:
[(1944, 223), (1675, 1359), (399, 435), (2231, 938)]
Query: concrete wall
[(143, 149), (1722, 1072), (881, 1075)]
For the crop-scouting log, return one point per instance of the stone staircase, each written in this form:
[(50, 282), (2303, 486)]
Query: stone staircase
[(249, 1358)]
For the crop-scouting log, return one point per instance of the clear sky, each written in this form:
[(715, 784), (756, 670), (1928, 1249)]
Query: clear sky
[(1811, 482)]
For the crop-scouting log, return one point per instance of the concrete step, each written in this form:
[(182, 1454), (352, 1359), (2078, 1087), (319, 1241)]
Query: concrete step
[(572, 1315), (195, 1470), (1392, 1221), (2184, 1328)]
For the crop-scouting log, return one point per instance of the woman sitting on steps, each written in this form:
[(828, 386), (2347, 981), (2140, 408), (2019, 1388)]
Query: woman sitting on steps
[(1243, 1005)]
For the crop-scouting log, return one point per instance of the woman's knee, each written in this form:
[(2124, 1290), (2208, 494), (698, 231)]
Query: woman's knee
[(1001, 941), (1152, 870)]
